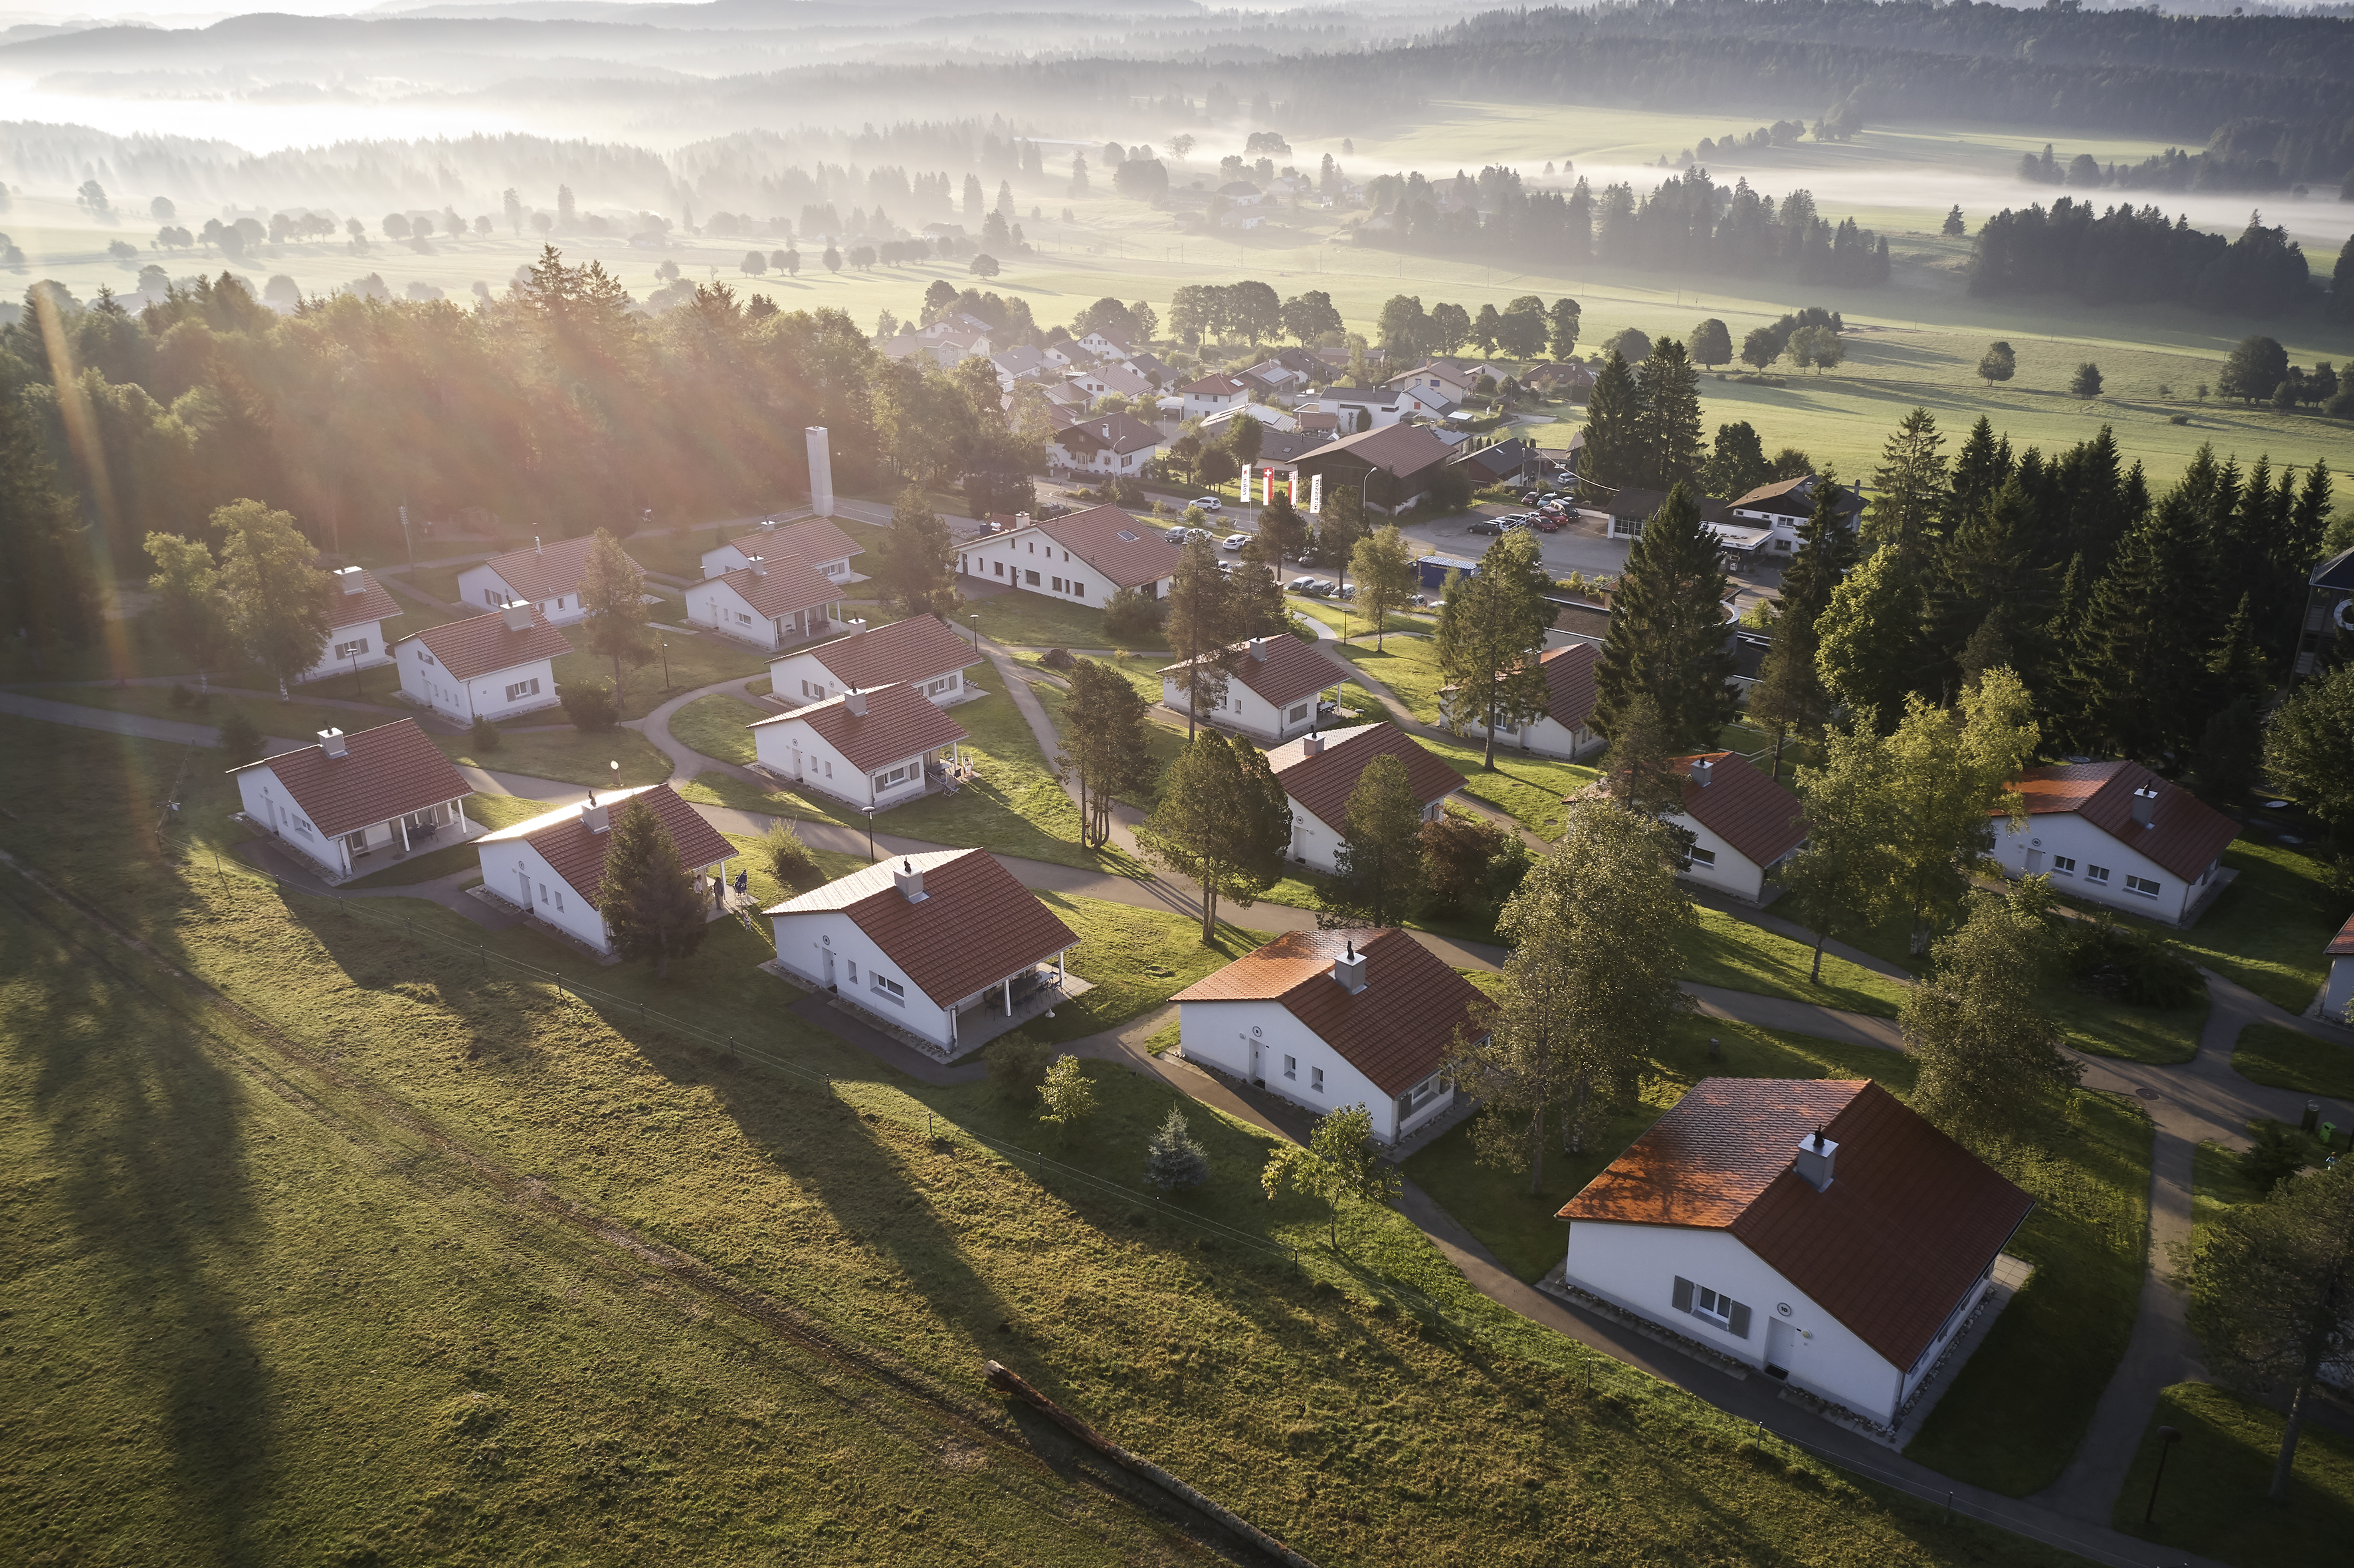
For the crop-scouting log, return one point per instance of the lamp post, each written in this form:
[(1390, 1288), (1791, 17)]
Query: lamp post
[(2168, 1437), (358, 690), (976, 628), (870, 832), (665, 652)]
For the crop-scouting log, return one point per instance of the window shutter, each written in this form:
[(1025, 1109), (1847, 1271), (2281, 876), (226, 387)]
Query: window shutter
[(1740, 1321), (1683, 1298)]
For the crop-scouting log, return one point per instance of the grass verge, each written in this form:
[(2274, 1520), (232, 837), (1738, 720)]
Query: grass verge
[(1730, 952), (2213, 1499), (714, 726), (571, 756), (2285, 1058), (1033, 621)]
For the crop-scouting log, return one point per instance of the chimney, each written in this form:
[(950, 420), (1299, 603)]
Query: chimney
[(597, 819), (1350, 970), (1311, 745), (1022, 519), (855, 627), (2144, 806), (909, 881), (1702, 770), (1814, 1162), (516, 613), (756, 565), (855, 701), (355, 579), (335, 743), (1258, 649)]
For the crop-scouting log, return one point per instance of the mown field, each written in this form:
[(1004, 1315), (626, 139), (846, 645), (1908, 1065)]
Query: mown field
[(418, 1259)]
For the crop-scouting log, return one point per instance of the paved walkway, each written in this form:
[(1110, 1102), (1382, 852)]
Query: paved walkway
[(174, 732)]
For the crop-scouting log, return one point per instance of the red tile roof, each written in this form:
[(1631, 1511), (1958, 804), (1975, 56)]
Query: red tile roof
[(1116, 433), (1214, 387), (2341, 945), (1403, 451), (1290, 670), (481, 644), (974, 926), (2185, 834), (810, 539), (389, 771), (1321, 784), (780, 586), (1910, 1220), (545, 572), (899, 722), (1397, 1030), (371, 603), (914, 650), (1115, 544), (577, 854), (1569, 682), (1740, 805)]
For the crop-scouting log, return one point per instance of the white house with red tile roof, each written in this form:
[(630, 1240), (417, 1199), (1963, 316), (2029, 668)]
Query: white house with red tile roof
[(1319, 772), (768, 604), (546, 575), (936, 944), (816, 540), (1562, 729), (2338, 990), (492, 666), (1105, 443), (1106, 345), (1081, 558), (554, 865), (2116, 833), (1109, 378), (357, 608), (1743, 823), (878, 749), (1212, 394), (1332, 1018), (1273, 688), (919, 652), (352, 796), (1817, 1230)]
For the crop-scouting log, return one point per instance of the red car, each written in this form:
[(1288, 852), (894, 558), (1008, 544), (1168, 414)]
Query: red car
[(1546, 522)]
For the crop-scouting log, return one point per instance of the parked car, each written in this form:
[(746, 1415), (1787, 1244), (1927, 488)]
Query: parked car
[(1486, 525), (1179, 535), (1234, 541), (1546, 522), (1209, 503), (1301, 585)]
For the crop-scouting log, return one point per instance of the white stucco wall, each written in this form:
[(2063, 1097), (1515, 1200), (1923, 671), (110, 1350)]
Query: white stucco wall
[(1548, 737), (2338, 990), (480, 588), (266, 801), (805, 943), (718, 563), (1318, 842), (428, 684), (801, 678), (1244, 709), (1010, 560), (331, 662), (521, 874), (2043, 842), (717, 604), (1264, 1042), (1733, 871), (794, 751)]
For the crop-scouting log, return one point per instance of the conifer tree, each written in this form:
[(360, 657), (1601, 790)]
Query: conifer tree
[(1173, 1160), (1613, 457), (1104, 749), (1491, 627), (613, 592), (1666, 630), (1223, 820), (652, 905), (1382, 878), (1979, 469), (919, 557), (1868, 641), (1909, 490), (2136, 682), (1201, 624), (1668, 398), (1985, 601)]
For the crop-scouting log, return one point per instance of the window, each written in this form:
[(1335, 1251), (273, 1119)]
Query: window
[(1291, 1066), (1299, 711), (1704, 858), (812, 690), (742, 618), (2096, 873), (1713, 1308), (560, 898), (889, 989), (524, 689), (1078, 590), (853, 971), (1708, 1304), (1058, 584), (1001, 568), (1031, 578), (2063, 865), (356, 646), (2143, 886), (543, 892), (1316, 1079)]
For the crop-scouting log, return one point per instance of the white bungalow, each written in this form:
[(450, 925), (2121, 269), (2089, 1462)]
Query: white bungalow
[(357, 608), (494, 666), (2116, 833), (879, 749), (553, 867), (920, 652), (385, 792), (1563, 728), (1319, 772), (1273, 688), (768, 604), (1081, 558), (548, 576), (1743, 823), (815, 540)]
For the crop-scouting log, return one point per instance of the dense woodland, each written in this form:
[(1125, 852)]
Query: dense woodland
[(2128, 256)]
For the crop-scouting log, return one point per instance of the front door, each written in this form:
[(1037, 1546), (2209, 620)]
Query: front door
[(1257, 1076), (2034, 862), (523, 880), (829, 966), (1781, 1345)]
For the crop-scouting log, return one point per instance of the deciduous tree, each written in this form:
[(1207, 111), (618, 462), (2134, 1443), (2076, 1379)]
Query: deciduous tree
[(1989, 1055), (1711, 343), (789, 860), (1340, 1161), (277, 596), (1066, 1098), (2309, 749), (1223, 820), (1384, 564), (190, 607), (1868, 640), (652, 905)]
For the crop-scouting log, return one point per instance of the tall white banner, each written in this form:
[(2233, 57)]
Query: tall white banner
[(1316, 495)]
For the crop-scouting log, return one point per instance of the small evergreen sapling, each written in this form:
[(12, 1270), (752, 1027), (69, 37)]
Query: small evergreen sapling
[(1173, 1160)]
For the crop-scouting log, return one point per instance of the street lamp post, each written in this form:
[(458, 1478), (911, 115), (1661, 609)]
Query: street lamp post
[(665, 652), (870, 834), (358, 689), (2167, 1436)]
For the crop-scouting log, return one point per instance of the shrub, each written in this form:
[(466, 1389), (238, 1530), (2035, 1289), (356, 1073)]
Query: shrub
[(589, 704), (240, 739), (485, 736), (2277, 1154), (1017, 1064), (2125, 965), (1172, 1160), (789, 860), (180, 696), (1065, 1095), (1057, 659), (1129, 614)]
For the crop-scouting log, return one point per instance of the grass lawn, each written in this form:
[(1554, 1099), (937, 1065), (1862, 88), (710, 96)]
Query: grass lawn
[(2285, 1058), (493, 810), (2022, 1403), (1349, 621), (1730, 952), (1138, 959), (401, 1307), (1517, 1225), (714, 726), (694, 661), (2213, 1499), (1033, 621), (1144, 673), (294, 721), (572, 756), (2267, 930), (1528, 790), (1408, 667), (2217, 1183)]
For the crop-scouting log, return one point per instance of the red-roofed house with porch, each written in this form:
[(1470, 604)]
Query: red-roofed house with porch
[(1081, 558), (382, 791), (879, 749), (1320, 771), (1331, 1019), (1742, 822), (1561, 730), (553, 867), (815, 540), (919, 652), (768, 604), (1815, 1229), (1273, 688), (546, 575), (357, 608), (492, 666), (945, 946), (2116, 833)]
